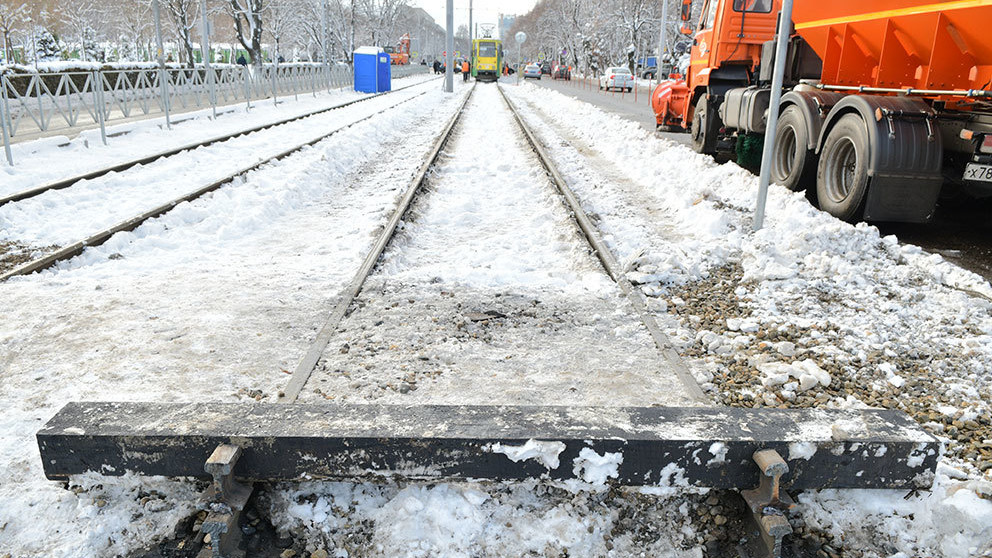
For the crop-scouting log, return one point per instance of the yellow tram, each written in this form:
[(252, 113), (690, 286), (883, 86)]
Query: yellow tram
[(487, 59)]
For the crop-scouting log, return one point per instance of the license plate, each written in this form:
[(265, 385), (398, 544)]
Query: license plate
[(974, 171)]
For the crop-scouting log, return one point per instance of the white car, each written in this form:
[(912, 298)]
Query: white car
[(617, 78)]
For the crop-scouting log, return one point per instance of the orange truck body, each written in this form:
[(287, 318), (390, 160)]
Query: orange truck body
[(898, 44), (400, 55), (926, 64), (918, 44)]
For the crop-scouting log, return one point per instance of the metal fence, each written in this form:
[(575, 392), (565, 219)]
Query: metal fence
[(37, 103)]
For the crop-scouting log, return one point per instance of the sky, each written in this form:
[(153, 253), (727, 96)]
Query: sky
[(485, 11)]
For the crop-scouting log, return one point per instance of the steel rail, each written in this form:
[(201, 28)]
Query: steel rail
[(72, 180), (77, 248), (609, 261), (305, 368)]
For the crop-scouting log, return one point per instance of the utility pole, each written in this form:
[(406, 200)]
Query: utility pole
[(471, 30), (661, 38), (205, 53), (449, 54), (163, 76), (323, 43), (778, 74)]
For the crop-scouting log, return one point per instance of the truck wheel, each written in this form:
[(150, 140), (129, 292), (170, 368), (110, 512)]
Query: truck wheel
[(793, 165), (703, 130), (842, 174)]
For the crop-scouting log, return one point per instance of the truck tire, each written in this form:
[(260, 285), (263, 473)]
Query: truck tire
[(793, 164), (700, 128), (842, 174)]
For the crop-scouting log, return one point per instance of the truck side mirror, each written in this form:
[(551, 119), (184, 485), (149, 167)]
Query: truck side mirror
[(686, 15)]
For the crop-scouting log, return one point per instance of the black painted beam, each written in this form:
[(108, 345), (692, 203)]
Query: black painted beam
[(710, 446)]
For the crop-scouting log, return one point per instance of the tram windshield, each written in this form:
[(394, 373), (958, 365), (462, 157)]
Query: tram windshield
[(487, 50)]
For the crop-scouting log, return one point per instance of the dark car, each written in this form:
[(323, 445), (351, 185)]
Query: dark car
[(649, 73), (546, 67), (562, 72)]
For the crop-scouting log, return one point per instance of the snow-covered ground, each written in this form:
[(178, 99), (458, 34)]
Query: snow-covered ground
[(219, 298), (155, 315), (890, 326), (86, 152)]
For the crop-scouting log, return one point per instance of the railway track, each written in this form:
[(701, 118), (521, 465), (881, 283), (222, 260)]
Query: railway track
[(565, 353), (72, 249), (689, 392), (144, 160)]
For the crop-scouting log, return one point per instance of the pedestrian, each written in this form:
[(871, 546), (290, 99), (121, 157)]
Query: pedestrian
[(437, 66), (241, 60), (465, 70)]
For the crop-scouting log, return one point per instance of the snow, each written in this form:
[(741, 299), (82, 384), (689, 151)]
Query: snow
[(596, 469), (151, 316), (216, 299), (143, 138), (679, 217), (545, 453)]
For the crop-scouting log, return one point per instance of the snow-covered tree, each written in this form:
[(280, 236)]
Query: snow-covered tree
[(81, 18), (283, 22), (134, 21), (379, 19), (184, 15), (47, 46), (13, 15), (247, 15)]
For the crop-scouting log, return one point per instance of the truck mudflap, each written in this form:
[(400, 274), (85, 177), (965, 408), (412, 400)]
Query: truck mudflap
[(906, 155)]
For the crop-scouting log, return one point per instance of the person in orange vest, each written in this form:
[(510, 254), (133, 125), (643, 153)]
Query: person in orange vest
[(465, 70)]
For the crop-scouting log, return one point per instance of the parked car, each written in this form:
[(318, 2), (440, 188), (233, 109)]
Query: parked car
[(532, 71), (650, 72), (561, 71), (546, 67), (617, 77)]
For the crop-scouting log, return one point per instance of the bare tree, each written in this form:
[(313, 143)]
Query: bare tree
[(341, 26), (134, 20), (184, 15), (247, 15), (81, 16), (13, 15), (283, 17), (379, 18)]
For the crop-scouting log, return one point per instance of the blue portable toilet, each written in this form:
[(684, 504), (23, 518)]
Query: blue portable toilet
[(372, 71)]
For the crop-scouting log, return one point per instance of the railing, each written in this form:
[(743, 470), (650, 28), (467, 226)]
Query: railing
[(35, 103)]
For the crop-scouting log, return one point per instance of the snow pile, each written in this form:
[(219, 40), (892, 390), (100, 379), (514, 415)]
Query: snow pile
[(954, 520), (545, 453), (514, 519), (595, 469)]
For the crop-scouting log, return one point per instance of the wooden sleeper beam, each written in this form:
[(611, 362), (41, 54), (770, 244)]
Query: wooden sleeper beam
[(707, 446)]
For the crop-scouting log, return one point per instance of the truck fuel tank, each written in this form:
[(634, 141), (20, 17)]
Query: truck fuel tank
[(744, 108)]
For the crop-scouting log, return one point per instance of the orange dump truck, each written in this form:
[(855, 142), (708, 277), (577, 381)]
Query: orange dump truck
[(884, 103), (399, 55)]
